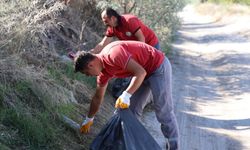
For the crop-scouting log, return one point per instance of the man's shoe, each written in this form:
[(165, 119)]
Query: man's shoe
[(171, 145)]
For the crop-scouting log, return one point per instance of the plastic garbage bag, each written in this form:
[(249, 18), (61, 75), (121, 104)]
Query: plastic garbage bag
[(118, 86), (124, 132)]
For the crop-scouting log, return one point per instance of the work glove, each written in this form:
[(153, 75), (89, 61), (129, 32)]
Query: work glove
[(86, 124), (123, 100)]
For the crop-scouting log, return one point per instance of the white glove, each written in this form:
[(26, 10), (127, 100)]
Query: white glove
[(123, 100), (86, 124)]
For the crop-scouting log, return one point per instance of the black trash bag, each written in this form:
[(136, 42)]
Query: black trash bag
[(119, 85), (124, 132)]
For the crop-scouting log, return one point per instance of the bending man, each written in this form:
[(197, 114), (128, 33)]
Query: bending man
[(150, 71)]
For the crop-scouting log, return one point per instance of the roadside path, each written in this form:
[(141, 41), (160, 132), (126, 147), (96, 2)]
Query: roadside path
[(211, 71), (211, 83)]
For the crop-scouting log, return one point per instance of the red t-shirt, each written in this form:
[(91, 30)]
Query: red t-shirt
[(127, 28), (116, 55)]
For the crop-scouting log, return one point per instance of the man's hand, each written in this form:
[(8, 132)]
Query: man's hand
[(71, 55), (86, 124), (123, 100)]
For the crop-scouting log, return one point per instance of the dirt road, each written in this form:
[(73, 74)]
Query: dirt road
[(211, 77)]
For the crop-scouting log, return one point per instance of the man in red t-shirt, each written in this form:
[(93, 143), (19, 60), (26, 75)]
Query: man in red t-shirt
[(150, 71), (125, 27)]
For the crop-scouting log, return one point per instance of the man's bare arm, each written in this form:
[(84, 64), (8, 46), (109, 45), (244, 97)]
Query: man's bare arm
[(97, 100), (139, 74), (139, 35), (105, 41)]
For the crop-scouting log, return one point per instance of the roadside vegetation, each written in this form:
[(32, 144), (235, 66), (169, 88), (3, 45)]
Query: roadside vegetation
[(37, 82)]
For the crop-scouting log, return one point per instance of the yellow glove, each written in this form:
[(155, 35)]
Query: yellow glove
[(86, 124), (123, 100)]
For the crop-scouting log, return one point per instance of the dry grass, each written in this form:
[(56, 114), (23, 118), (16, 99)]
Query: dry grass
[(34, 36)]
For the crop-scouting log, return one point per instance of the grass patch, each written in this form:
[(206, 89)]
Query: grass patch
[(37, 131), (23, 86), (26, 124), (4, 147), (3, 90), (55, 74), (31, 96), (66, 109), (58, 74)]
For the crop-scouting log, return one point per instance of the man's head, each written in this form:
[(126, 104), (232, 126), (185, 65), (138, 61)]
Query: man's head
[(110, 17), (87, 64)]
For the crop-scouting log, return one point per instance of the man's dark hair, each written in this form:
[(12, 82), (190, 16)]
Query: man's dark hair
[(82, 59), (111, 12)]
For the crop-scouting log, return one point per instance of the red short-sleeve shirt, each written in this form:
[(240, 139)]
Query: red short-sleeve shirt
[(116, 55), (127, 28)]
